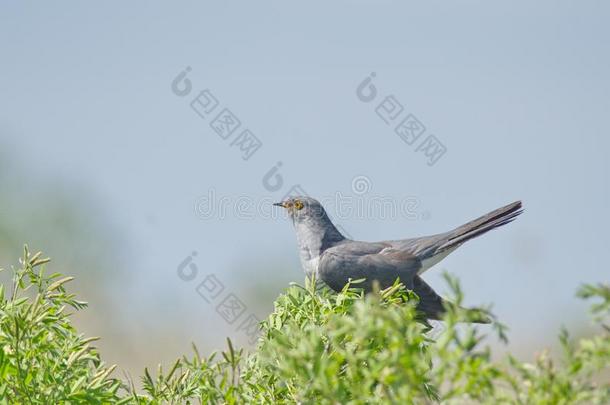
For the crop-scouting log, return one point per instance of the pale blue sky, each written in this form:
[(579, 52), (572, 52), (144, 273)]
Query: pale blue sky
[(517, 92)]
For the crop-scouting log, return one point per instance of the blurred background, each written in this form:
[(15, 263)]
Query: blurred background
[(119, 160)]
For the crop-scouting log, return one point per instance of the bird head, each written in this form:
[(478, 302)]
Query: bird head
[(313, 226), (304, 209)]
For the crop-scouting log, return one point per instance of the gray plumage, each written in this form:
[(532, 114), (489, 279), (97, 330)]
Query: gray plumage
[(334, 259)]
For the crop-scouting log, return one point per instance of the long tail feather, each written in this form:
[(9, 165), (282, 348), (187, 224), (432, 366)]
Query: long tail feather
[(479, 226)]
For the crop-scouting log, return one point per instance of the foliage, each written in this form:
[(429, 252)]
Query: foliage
[(42, 358), (316, 347)]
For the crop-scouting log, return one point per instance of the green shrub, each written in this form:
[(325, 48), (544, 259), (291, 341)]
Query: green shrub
[(316, 347), (43, 360)]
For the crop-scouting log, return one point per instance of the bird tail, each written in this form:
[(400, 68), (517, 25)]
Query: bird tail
[(479, 226)]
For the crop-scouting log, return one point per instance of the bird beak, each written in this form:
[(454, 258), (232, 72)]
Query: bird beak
[(280, 204)]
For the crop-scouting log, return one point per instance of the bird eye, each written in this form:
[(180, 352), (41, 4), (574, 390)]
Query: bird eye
[(298, 205)]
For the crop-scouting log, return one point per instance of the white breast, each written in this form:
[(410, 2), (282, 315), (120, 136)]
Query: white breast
[(310, 265)]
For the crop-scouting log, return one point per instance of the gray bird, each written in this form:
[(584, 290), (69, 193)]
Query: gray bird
[(335, 259)]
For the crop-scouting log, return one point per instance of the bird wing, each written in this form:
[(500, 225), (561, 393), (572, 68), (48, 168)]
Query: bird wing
[(382, 263), (373, 262), (430, 303)]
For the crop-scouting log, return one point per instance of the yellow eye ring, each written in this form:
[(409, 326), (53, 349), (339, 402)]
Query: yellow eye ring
[(298, 205)]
